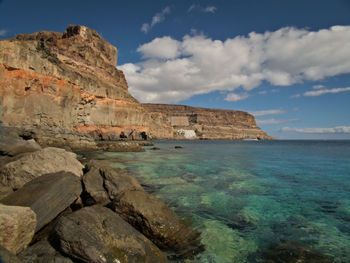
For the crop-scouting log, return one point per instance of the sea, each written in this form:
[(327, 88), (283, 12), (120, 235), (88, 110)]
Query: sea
[(253, 201)]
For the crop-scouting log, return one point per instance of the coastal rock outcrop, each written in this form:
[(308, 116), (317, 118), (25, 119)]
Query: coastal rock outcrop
[(69, 81), (47, 195), (17, 226), (158, 222), (34, 164), (202, 123), (97, 234)]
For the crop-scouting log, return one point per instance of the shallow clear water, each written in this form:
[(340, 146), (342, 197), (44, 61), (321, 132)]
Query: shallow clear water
[(247, 198)]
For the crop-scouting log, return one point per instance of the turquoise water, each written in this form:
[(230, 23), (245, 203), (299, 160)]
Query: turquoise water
[(249, 198)]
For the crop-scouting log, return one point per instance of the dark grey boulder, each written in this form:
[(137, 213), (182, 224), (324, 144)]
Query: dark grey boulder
[(7, 257), (43, 252), (158, 222), (47, 195), (102, 183), (98, 235)]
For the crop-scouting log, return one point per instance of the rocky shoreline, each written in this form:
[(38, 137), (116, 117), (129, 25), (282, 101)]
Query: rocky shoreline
[(55, 208)]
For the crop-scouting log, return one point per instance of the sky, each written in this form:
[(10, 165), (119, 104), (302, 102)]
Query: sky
[(285, 62)]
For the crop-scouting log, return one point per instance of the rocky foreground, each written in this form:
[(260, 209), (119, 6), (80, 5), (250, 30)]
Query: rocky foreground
[(65, 89), (53, 208)]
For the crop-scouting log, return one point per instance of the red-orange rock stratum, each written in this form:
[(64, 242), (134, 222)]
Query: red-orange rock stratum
[(63, 85)]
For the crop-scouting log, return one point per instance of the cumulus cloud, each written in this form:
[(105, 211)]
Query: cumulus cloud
[(236, 97), (337, 129), (274, 121), (156, 19), (267, 112), (318, 87), (325, 91), (174, 70), (207, 9), (3, 32)]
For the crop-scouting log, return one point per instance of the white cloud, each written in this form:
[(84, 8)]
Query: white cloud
[(236, 97), (174, 70), (3, 32), (207, 9), (318, 87), (161, 48), (337, 129), (274, 121), (325, 91), (267, 112), (295, 96), (156, 19), (262, 92)]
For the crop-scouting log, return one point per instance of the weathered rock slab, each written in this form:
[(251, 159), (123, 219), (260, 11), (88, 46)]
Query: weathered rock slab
[(97, 234), (17, 226), (103, 183), (42, 252), (157, 221), (11, 145), (49, 160), (47, 195)]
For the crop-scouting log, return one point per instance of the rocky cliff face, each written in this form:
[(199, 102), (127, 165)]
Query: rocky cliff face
[(61, 88), (201, 123), (61, 83)]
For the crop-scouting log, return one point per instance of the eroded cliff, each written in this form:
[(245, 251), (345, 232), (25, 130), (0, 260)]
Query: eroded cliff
[(202, 123), (54, 83)]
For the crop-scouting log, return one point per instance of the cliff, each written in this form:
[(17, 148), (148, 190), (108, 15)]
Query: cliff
[(64, 88), (53, 83), (202, 123)]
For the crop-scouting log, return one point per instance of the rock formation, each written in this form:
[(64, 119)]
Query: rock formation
[(202, 123), (54, 83), (64, 89)]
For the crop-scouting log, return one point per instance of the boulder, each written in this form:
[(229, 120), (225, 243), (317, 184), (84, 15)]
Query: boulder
[(5, 191), (102, 183), (7, 257), (47, 195), (42, 252), (31, 165), (157, 221), (11, 145), (17, 226), (97, 234)]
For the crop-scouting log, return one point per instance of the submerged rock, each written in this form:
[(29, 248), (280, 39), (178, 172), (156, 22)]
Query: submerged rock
[(47, 195), (158, 222), (17, 226), (31, 165), (42, 252), (292, 252), (97, 234)]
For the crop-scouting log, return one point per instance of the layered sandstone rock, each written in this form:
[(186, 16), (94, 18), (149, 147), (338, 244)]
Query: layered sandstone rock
[(61, 83), (201, 123)]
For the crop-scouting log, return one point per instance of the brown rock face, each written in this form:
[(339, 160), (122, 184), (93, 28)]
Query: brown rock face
[(70, 81), (67, 84), (201, 123)]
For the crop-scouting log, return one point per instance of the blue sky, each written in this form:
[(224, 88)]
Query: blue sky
[(286, 62)]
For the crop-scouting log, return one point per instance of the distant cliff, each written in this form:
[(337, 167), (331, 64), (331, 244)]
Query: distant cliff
[(202, 123), (59, 86)]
